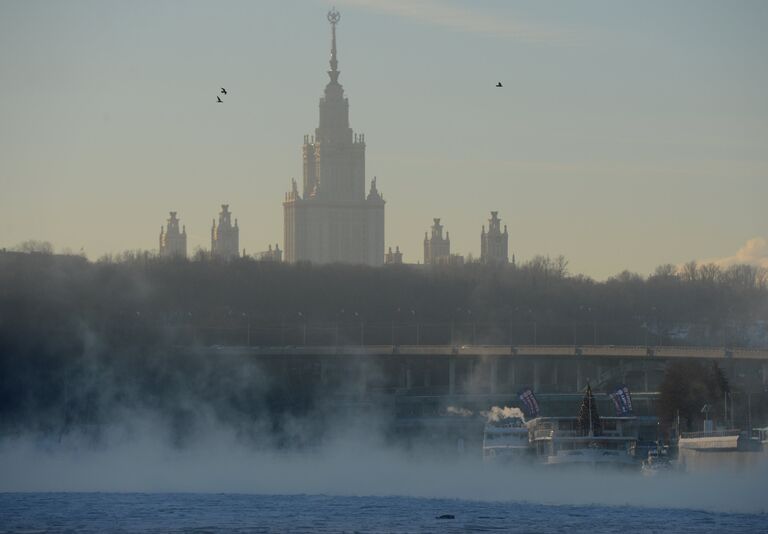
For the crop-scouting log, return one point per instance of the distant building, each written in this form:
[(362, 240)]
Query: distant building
[(494, 243), (173, 243), (451, 259), (393, 258), (225, 237), (333, 219), (437, 249), (271, 254)]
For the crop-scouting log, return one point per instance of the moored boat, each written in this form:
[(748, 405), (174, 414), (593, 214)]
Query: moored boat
[(506, 440), (658, 461), (585, 440)]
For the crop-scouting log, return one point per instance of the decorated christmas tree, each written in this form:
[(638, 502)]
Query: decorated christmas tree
[(589, 420)]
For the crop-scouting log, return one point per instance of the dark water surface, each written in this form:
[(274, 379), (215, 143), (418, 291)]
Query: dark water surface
[(200, 513)]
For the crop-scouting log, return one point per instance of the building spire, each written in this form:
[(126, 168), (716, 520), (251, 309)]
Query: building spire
[(333, 17)]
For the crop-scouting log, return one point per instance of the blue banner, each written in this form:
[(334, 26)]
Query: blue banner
[(530, 404), (622, 400)]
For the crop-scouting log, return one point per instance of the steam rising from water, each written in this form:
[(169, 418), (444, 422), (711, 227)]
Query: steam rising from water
[(133, 458), (497, 413), (461, 412), (173, 422)]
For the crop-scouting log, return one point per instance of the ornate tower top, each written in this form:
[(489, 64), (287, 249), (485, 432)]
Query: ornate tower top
[(333, 17)]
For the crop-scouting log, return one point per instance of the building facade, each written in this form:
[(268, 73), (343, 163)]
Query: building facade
[(393, 258), (173, 242), (494, 244), (332, 218), (225, 236), (437, 249), (271, 254)]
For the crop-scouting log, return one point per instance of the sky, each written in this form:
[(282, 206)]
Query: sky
[(627, 134)]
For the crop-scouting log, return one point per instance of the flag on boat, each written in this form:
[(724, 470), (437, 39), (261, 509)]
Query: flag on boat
[(530, 404), (622, 400)]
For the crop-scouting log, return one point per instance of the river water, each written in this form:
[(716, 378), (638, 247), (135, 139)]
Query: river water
[(205, 512), (137, 483)]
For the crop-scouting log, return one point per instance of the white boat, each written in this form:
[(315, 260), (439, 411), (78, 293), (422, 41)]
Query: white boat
[(506, 440), (586, 440), (658, 461), (761, 435)]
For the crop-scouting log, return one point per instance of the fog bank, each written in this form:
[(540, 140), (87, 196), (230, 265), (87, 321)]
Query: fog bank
[(351, 463)]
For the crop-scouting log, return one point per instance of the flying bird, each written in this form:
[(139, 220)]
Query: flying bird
[(499, 85), (219, 100), (223, 91)]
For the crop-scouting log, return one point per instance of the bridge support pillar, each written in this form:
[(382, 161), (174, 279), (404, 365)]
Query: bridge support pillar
[(323, 373), (536, 376), (494, 375), (362, 379), (598, 373), (555, 379), (579, 376), (512, 369), (408, 376), (623, 365), (645, 376), (765, 373), (452, 376)]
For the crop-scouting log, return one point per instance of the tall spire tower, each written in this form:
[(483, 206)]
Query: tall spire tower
[(333, 17), (333, 220)]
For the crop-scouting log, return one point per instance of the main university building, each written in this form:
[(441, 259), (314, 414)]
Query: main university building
[(333, 218)]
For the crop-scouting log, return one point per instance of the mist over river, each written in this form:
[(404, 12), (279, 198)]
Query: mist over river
[(354, 481)]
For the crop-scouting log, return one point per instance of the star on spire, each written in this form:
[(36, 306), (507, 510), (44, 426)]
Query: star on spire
[(333, 17)]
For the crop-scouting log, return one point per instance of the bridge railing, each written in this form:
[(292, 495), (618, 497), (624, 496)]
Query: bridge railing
[(592, 337), (239, 331), (620, 351)]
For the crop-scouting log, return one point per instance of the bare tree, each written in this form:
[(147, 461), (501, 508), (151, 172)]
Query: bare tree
[(33, 246), (709, 273), (200, 254), (761, 278), (560, 266), (666, 270), (689, 272), (745, 276)]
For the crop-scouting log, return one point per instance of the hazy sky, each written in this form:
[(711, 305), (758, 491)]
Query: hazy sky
[(627, 134)]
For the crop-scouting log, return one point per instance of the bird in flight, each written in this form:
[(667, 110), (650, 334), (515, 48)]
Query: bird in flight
[(219, 100), (499, 85), (223, 91)]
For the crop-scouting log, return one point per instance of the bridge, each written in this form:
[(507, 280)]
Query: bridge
[(451, 370), (440, 391)]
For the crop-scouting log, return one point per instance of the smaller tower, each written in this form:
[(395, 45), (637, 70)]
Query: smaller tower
[(393, 258), (225, 237), (494, 243), (173, 243), (271, 254), (437, 249)]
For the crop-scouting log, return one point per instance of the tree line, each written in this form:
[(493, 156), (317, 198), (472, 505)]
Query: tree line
[(139, 292), (77, 336)]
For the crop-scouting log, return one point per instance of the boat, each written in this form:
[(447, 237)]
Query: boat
[(506, 440), (761, 435), (658, 461), (729, 449), (585, 440)]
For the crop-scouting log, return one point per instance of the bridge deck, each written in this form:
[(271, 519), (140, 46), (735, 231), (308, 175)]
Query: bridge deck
[(606, 351)]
